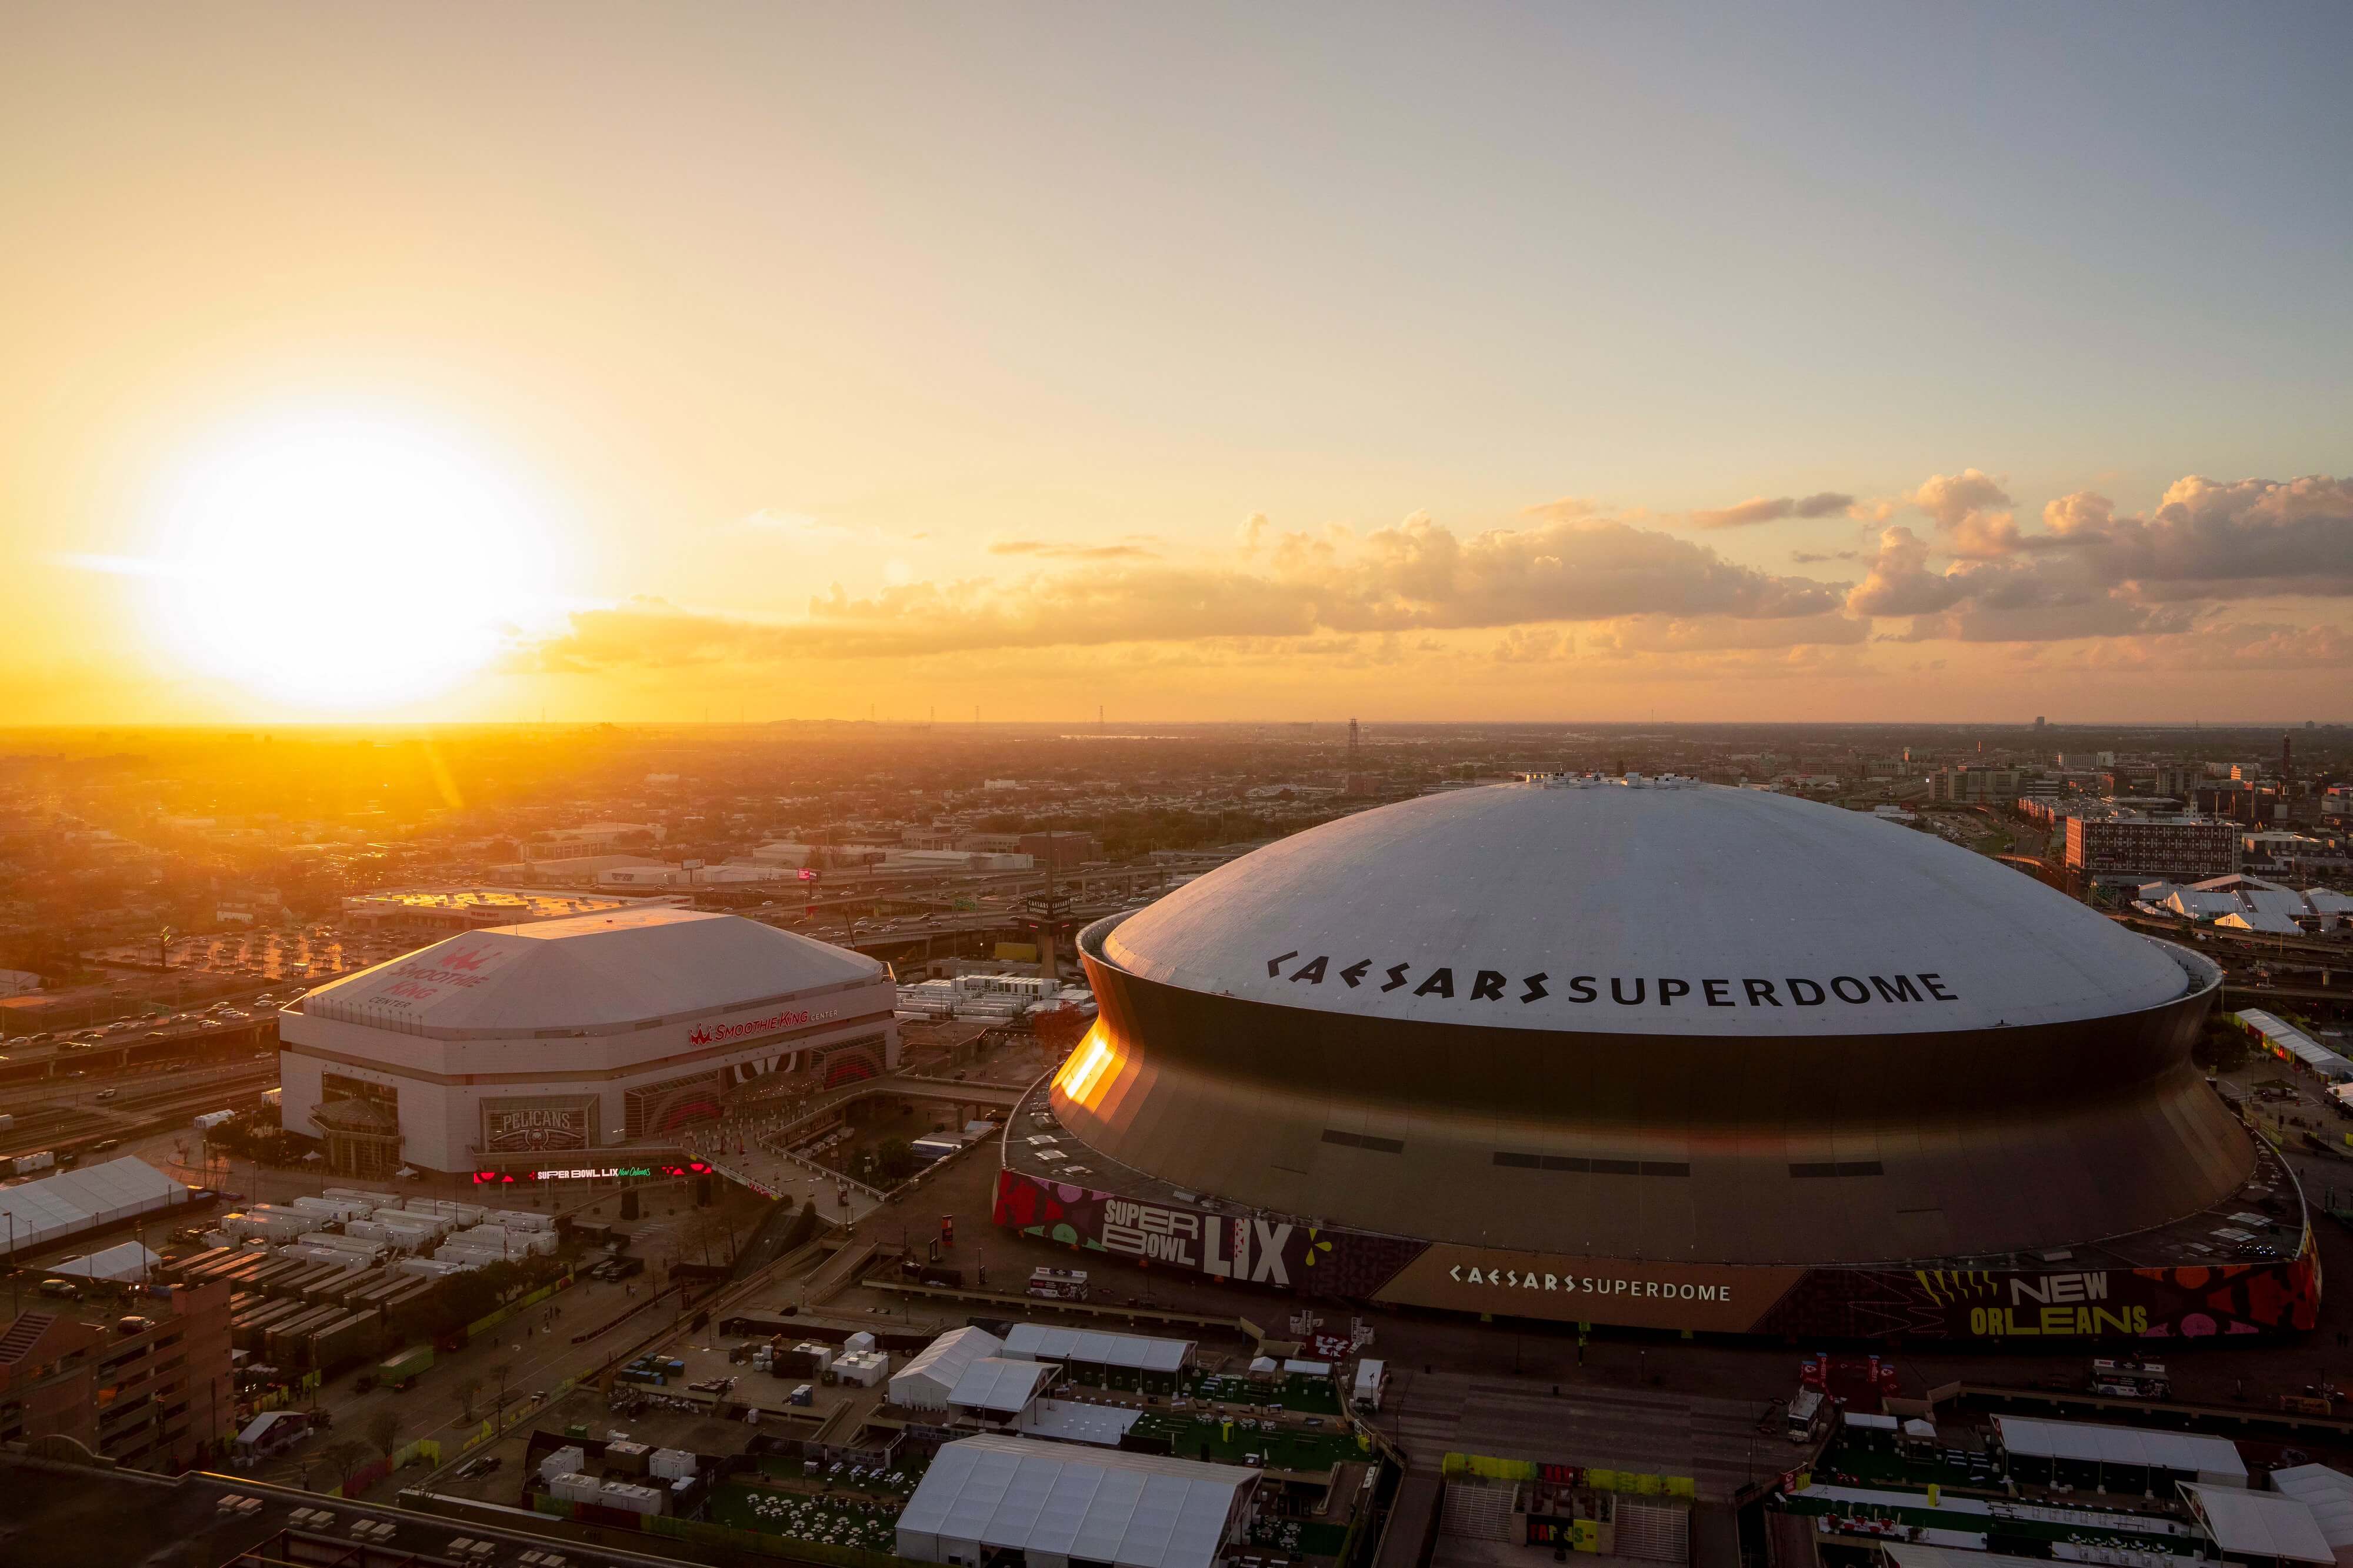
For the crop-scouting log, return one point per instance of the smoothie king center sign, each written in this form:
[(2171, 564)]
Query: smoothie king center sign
[(749, 1028)]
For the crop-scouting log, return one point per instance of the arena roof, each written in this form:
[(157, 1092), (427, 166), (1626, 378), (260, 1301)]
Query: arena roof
[(599, 972), (1659, 887)]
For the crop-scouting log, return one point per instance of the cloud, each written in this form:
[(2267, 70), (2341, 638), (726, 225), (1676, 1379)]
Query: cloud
[(1951, 499), (1763, 509), (1533, 645), (1045, 549), (1962, 507), (2082, 570), (1416, 576)]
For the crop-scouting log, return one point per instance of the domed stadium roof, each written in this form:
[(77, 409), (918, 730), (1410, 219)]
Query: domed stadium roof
[(1654, 907)]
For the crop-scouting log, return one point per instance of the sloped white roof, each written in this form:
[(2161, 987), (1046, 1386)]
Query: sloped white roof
[(591, 972), (131, 1260), (1616, 879), (1047, 1343), (2196, 905), (1135, 1511), (2261, 1525), (2296, 1042), (73, 1200), (998, 1386), (2327, 1493), (2257, 920), (2088, 1441), (944, 1360)]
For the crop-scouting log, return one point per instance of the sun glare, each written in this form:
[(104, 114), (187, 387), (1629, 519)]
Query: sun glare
[(342, 563)]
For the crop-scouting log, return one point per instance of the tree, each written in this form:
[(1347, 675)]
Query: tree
[(469, 1387), (384, 1431), (500, 1373), (2221, 1048), (894, 1158), (343, 1458)]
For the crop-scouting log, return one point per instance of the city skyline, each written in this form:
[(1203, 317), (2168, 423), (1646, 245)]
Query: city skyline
[(1576, 366)]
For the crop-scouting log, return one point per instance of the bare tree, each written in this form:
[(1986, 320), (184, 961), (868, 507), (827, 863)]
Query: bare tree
[(501, 1373), (343, 1458), (384, 1430), (467, 1387)]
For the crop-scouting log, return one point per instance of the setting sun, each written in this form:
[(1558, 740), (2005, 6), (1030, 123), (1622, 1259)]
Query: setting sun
[(343, 562)]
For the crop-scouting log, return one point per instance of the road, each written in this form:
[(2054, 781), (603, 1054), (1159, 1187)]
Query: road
[(535, 1361)]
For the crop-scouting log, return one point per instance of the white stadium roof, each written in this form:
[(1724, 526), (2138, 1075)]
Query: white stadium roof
[(1135, 1511), (598, 971), (2209, 1458), (1638, 881)]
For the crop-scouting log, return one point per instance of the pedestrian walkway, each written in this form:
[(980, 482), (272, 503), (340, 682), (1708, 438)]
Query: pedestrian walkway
[(1713, 1441)]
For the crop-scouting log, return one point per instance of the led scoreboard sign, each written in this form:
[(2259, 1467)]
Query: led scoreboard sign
[(591, 1173)]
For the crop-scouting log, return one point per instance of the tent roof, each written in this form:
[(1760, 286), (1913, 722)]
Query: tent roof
[(78, 1200), (2327, 1493), (2261, 1525), (1046, 1342), (2120, 1445), (131, 1260), (997, 1385), (1136, 1510), (945, 1357)]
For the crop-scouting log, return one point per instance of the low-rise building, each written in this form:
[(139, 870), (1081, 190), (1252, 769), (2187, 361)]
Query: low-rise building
[(427, 914), (2111, 849), (143, 1381)]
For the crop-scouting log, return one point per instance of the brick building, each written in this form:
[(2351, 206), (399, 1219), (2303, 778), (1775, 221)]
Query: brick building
[(145, 1384)]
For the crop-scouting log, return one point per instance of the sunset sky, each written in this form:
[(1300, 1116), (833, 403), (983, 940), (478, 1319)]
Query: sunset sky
[(1557, 362)]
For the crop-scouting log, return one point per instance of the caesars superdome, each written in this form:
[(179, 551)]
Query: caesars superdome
[(1653, 1051)]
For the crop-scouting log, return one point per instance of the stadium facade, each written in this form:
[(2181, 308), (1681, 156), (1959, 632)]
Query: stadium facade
[(568, 1035), (1655, 1053)]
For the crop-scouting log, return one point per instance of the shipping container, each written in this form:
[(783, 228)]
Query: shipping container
[(403, 1369), (344, 1341)]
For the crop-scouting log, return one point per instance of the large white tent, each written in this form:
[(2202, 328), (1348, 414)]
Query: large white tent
[(67, 1203), (132, 1260), (925, 1383), (2259, 1524), (1056, 1503)]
